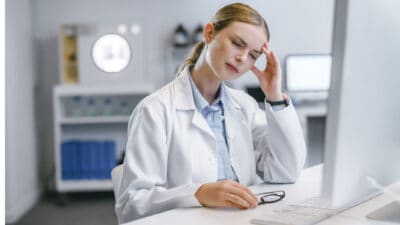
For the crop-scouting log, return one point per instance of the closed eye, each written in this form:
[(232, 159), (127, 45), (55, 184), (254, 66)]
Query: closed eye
[(253, 56), (237, 44)]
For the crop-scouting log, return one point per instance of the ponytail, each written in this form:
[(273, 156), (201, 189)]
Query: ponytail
[(193, 56)]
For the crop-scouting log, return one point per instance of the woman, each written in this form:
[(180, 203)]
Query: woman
[(197, 142)]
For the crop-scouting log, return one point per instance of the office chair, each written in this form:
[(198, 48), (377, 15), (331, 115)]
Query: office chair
[(116, 175)]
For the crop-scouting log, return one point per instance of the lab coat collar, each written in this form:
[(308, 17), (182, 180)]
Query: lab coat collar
[(183, 91), (201, 103), (184, 100), (184, 94)]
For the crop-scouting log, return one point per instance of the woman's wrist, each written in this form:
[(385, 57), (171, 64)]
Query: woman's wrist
[(275, 97), (197, 196)]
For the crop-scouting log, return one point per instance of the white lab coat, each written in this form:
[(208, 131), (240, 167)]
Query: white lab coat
[(171, 151)]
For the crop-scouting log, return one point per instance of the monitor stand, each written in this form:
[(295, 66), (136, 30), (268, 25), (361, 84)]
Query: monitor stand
[(388, 213)]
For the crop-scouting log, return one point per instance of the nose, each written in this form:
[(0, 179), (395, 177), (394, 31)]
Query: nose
[(238, 58), (242, 57)]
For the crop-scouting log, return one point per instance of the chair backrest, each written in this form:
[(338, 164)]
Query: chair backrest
[(116, 175)]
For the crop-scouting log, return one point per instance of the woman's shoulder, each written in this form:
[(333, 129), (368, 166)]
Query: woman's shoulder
[(157, 100)]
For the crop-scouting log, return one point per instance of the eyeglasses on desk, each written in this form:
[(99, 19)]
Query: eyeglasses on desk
[(270, 197)]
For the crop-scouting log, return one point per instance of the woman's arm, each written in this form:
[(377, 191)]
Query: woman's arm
[(279, 144), (143, 189), (279, 141)]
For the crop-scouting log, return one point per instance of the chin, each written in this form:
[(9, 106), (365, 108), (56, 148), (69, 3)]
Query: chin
[(230, 76), (227, 75)]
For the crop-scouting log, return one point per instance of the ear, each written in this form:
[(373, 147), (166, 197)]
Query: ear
[(208, 32)]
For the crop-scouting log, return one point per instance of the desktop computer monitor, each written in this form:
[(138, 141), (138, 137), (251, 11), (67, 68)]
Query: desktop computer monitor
[(307, 72), (363, 121), (308, 76)]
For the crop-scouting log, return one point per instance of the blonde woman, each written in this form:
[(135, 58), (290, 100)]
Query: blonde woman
[(197, 142)]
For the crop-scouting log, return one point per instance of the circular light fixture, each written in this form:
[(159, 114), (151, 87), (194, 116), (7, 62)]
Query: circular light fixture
[(135, 29), (122, 28), (111, 53)]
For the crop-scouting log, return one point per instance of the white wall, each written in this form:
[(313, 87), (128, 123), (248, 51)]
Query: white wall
[(22, 180), (296, 26)]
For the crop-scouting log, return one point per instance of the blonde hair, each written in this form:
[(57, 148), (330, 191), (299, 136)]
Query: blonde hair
[(236, 12)]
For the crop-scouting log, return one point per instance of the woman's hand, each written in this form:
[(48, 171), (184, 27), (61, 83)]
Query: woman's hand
[(271, 77), (226, 193)]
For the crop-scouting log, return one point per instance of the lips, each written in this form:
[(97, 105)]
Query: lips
[(232, 67)]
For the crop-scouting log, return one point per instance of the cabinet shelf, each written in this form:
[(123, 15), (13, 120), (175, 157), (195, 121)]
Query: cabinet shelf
[(74, 89), (80, 134), (85, 185), (94, 120)]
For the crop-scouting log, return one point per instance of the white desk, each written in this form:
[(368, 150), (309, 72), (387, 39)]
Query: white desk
[(307, 186)]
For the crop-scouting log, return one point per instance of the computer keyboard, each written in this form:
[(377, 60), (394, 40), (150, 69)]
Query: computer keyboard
[(314, 202), (307, 212)]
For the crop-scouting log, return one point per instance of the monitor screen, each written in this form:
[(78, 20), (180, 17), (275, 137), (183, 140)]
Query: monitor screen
[(363, 130), (307, 72)]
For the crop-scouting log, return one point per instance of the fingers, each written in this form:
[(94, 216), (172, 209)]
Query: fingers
[(275, 58), (237, 201), (234, 205), (247, 191), (266, 49), (257, 72), (243, 193), (267, 45), (245, 199), (272, 58), (226, 194)]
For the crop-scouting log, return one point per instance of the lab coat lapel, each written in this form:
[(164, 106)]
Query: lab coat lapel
[(232, 114), (230, 124), (184, 101), (199, 122)]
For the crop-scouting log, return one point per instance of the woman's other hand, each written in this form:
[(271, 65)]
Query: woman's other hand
[(271, 77), (226, 193)]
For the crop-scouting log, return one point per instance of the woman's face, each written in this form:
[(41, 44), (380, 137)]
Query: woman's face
[(233, 50)]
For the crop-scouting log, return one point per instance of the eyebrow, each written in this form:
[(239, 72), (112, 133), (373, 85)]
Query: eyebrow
[(245, 44)]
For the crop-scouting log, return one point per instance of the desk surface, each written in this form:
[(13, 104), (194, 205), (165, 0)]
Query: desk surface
[(308, 185)]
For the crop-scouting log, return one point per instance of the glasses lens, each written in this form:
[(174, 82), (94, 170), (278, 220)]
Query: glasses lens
[(271, 198)]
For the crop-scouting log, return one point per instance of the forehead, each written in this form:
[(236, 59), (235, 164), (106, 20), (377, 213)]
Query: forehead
[(253, 35)]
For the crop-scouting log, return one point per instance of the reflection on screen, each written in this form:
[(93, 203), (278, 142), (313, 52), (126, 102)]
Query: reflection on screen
[(308, 72)]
